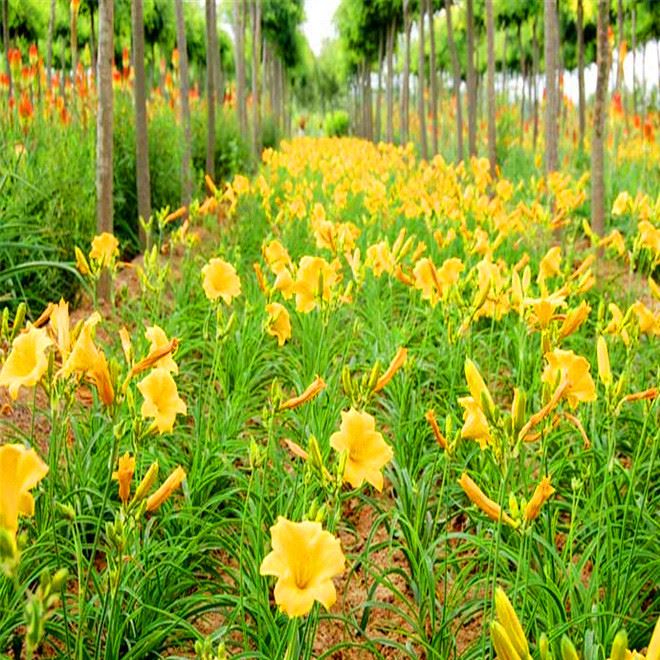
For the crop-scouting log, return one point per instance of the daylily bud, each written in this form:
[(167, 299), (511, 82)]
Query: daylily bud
[(544, 648), (146, 483), (568, 651), (19, 318), (604, 371), (501, 642), (509, 620), (619, 646), (518, 410)]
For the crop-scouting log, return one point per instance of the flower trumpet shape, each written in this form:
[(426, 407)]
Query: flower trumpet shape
[(27, 361), (397, 362), (574, 370), (220, 281), (21, 469), (304, 558), (105, 247), (279, 323), (161, 399), (367, 452), (87, 359), (166, 489), (317, 386), (492, 509), (541, 494), (124, 475)]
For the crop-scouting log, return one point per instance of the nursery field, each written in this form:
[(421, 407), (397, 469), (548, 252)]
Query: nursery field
[(356, 406)]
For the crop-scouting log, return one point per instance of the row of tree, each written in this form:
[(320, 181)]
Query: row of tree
[(536, 37)]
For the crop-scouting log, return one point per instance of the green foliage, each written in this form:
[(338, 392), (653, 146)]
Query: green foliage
[(336, 123)]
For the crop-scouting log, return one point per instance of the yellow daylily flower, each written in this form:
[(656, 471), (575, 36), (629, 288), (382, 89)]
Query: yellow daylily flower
[(492, 509), (161, 399), (304, 558), (85, 358), (105, 248), (279, 322), (314, 282), (566, 366), (158, 340), (27, 361), (367, 451), (541, 494), (124, 475), (220, 281), (21, 470), (166, 489)]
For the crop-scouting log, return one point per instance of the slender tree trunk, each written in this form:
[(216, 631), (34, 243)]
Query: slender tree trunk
[(619, 60), (141, 136), (505, 93), (211, 47), (433, 75), (389, 83), (598, 140), (104, 128), (256, 56), (368, 105), (186, 174), (551, 106), (74, 41), (92, 38), (522, 73), (239, 55), (492, 135), (49, 43), (5, 43), (421, 105), (535, 74), (581, 94), (457, 82), (379, 90), (471, 82), (633, 18), (405, 84)]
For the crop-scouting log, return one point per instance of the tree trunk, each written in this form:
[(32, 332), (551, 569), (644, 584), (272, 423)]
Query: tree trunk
[(49, 42), (522, 73), (368, 109), (471, 82), (457, 82), (433, 75), (535, 74), (5, 42), (619, 25), (421, 105), (104, 128), (211, 47), (74, 41), (492, 136), (239, 55), (551, 106), (598, 140), (379, 90), (389, 83), (581, 94), (141, 136), (633, 18), (186, 174), (405, 83), (92, 38), (256, 55)]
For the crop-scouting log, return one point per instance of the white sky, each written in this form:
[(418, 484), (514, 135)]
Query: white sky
[(318, 23)]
